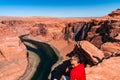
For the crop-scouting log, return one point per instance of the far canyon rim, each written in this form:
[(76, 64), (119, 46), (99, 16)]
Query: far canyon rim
[(99, 37)]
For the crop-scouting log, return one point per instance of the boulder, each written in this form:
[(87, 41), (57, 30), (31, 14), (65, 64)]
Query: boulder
[(91, 50)]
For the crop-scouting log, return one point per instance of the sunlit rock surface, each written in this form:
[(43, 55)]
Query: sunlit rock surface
[(13, 55), (109, 69)]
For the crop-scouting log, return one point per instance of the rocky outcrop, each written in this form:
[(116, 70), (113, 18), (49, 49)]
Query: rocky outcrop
[(115, 14), (13, 55), (12, 22), (104, 36), (110, 48), (109, 69), (77, 31), (39, 29), (95, 53)]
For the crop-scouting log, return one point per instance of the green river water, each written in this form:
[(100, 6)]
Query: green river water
[(47, 54)]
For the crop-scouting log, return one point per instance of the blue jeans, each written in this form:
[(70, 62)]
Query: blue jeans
[(67, 78)]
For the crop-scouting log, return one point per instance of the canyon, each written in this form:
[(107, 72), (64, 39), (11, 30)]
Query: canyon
[(99, 37)]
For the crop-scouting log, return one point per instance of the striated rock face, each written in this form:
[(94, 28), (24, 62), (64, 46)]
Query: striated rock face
[(109, 69), (13, 55)]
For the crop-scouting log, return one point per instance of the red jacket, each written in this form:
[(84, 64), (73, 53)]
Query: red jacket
[(78, 73)]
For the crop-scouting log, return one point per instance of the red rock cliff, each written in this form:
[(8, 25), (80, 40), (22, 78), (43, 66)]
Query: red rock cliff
[(13, 60)]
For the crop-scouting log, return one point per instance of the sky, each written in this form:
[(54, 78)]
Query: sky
[(58, 8)]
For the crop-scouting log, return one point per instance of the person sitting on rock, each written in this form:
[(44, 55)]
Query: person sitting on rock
[(78, 70)]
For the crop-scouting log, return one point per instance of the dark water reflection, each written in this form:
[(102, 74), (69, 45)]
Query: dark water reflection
[(47, 58)]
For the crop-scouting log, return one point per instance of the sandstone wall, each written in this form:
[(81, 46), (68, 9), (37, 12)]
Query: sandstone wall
[(13, 55)]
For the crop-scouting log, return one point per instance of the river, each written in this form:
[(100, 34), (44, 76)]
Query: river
[(48, 56)]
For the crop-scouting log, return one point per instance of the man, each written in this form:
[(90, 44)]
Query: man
[(74, 66), (78, 70)]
